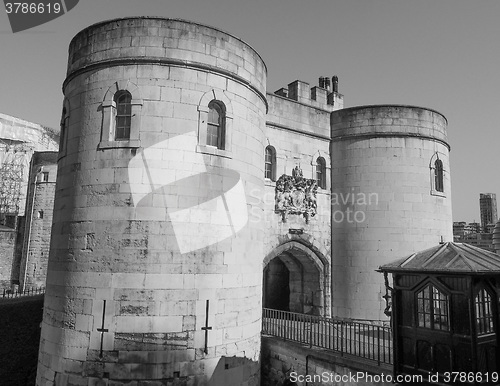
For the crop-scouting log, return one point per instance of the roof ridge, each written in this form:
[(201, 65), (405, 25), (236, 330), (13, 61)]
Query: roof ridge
[(435, 254), (456, 248), (485, 255)]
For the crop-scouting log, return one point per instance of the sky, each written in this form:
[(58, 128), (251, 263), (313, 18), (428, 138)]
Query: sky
[(440, 54)]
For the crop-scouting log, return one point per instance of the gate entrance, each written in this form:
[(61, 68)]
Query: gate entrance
[(294, 280), (277, 287)]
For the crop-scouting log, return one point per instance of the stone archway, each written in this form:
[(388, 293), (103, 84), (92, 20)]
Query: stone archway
[(295, 280), (277, 285)]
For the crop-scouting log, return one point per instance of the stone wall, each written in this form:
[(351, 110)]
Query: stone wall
[(297, 363), (32, 137), (7, 247), (19, 140), (298, 130), (39, 210)]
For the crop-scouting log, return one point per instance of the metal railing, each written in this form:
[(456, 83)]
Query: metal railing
[(10, 294), (364, 340)]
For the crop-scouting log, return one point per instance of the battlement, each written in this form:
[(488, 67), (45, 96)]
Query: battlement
[(324, 96)]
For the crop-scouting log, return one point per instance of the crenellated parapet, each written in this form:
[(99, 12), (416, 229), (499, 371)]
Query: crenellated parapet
[(324, 96)]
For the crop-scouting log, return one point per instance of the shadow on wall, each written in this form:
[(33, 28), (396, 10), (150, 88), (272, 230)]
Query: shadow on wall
[(231, 371), (19, 339)]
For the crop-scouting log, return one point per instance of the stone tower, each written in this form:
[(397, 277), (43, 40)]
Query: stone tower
[(155, 264), (390, 197)]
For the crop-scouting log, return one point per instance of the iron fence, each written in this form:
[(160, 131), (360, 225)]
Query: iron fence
[(364, 340), (10, 294)]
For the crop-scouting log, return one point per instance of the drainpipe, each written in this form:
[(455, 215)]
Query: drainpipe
[(26, 247)]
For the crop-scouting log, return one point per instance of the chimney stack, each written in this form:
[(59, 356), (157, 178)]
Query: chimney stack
[(335, 83), (327, 83)]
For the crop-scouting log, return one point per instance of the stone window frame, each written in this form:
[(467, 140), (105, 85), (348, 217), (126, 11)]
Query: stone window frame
[(217, 96), (108, 106), (64, 125), (314, 164), (272, 162), (432, 168)]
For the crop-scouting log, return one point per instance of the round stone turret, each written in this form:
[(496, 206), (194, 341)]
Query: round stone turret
[(153, 272), (390, 197)]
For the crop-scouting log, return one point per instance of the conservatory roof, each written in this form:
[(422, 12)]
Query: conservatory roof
[(448, 257)]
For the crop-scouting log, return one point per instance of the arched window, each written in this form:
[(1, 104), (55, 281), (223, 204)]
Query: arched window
[(121, 116), (432, 308), (215, 122), (270, 163), (216, 125), (484, 313), (321, 172), (438, 175), (123, 100)]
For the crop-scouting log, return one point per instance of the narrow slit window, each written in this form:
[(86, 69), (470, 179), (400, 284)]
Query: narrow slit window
[(438, 176), (270, 163), (321, 172), (64, 128)]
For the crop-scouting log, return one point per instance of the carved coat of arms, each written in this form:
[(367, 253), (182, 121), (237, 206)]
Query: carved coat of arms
[(296, 195)]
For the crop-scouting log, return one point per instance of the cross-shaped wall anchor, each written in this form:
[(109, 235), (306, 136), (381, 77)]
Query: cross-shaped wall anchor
[(206, 328), (102, 330)]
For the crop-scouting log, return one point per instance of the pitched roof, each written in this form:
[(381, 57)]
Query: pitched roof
[(448, 257)]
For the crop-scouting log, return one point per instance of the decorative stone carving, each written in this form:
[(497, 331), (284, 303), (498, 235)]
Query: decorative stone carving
[(296, 195)]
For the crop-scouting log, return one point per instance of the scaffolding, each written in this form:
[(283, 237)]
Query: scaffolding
[(14, 161)]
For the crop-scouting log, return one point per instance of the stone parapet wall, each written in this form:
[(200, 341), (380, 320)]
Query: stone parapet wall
[(168, 42), (390, 120), (290, 116), (283, 360)]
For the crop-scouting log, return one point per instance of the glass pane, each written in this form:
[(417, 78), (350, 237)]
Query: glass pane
[(213, 116), (440, 309), (267, 170), (423, 307), (212, 135), (120, 121), (124, 97), (484, 315), (269, 155)]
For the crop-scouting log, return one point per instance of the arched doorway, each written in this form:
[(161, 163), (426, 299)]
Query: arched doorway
[(295, 279), (277, 286)]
